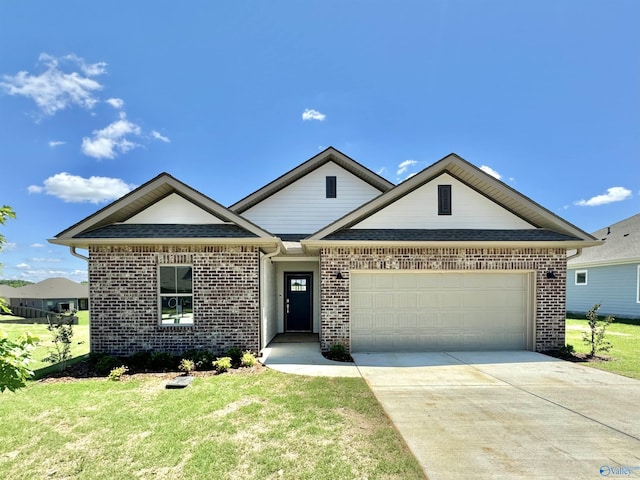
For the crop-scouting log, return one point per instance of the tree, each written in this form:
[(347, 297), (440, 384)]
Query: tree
[(594, 337), (14, 355)]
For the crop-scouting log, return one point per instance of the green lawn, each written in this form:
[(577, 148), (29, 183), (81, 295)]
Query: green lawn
[(80, 338), (625, 353), (260, 425)]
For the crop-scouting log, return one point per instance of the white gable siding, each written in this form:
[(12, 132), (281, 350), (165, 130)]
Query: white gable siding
[(174, 209), (419, 209), (302, 207)]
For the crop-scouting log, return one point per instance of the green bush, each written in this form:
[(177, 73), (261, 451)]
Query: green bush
[(235, 354), (140, 361), (106, 363), (116, 373), (248, 359), (163, 361), (594, 338), (202, 359), (187, 366), (566, 351), (222, 364)]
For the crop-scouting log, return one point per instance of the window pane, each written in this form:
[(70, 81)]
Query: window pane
[(183, 280), (298, 284), (168, 280), (177, 310), (581, 278)]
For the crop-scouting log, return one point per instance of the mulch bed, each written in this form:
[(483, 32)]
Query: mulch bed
[(83, 371)]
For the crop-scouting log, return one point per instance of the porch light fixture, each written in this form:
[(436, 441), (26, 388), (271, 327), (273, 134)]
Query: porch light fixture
[(339, 276), (551, 274)]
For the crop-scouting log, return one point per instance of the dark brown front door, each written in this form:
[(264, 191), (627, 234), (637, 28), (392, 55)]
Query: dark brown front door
[(298, 302)]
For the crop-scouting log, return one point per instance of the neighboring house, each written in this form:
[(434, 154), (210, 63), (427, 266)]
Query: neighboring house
[(610, 274), (59, 295), (450, 259)]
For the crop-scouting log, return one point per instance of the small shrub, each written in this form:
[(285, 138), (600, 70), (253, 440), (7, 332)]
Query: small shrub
[(222, 364), (235, 354), (107, 363), (62, 332), (163, 361), (338, 352), (248, 359), (594, 338), (187, 366), (116, 373), (566, 351), (203, 359), (140, 361)]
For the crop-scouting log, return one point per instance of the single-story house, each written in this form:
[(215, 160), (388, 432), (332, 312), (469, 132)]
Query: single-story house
[(59, 295), (610, 274), (449, 259)]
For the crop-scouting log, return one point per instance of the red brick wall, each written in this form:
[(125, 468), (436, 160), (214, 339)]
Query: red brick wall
[(124, 299), (549, 293)]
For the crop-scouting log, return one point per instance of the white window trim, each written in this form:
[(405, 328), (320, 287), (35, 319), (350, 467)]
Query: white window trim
[(586, 277), (638, 286), (160, 295)]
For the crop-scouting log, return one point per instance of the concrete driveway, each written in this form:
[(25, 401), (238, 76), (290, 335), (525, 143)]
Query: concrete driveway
[(508, 414)]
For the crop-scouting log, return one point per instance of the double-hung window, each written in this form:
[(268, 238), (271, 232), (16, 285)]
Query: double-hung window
[(176, 294)]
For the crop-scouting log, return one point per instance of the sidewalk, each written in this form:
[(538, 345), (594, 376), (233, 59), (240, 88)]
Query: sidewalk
[(305, 359)]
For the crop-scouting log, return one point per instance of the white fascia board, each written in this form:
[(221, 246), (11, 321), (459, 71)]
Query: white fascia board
[(316, 244)]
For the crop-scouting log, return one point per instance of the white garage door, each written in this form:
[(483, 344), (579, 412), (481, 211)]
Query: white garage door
[(409, 311)]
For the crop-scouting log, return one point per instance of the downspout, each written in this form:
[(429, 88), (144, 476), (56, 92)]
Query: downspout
[(263, 294), (575, 255), (76, 254)]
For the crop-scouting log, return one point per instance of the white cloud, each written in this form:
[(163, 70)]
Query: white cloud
[(22, 266), (115, 102), (44, 260), (37, 245), (112, 139), (56, 143), (310, 114), (8, 245), (490, 171), (159, 136), (404, 166), (75, 189), (614, 194), (55, 89)]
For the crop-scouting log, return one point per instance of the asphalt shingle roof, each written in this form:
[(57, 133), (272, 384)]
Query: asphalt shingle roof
[(158, 230), (450, 235), (621, 242)]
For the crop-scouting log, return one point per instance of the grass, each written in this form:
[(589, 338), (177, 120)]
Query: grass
[(625, 353), (264, 424), (80, 338)]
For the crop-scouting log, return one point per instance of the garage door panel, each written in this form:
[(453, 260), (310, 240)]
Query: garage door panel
[(439, 311)]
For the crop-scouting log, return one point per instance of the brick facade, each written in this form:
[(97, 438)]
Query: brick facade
[(549, 292), (124, 299)]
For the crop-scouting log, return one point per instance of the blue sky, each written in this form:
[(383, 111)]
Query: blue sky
[(97, 98)]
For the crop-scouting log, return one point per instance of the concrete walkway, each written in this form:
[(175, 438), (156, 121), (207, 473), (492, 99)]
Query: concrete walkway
[(494, 415), (305, 359)]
